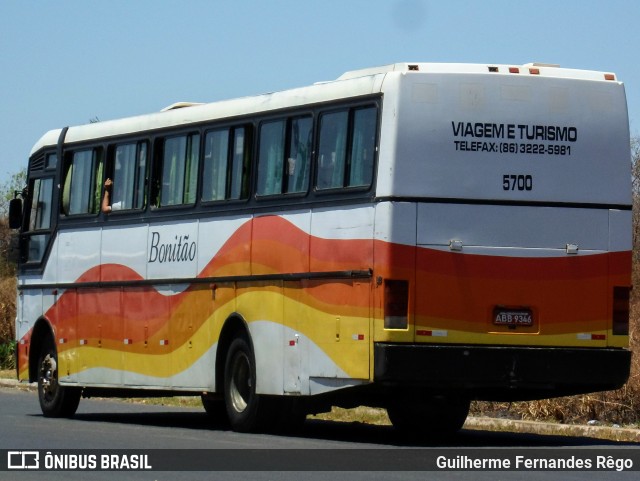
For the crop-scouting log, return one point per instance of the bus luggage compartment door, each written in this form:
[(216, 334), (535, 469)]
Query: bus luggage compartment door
[(492, 270)]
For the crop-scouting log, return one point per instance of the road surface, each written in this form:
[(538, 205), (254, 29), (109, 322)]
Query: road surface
[(104, 425)]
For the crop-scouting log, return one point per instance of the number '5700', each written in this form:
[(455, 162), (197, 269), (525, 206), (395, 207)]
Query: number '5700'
[(517, 182)]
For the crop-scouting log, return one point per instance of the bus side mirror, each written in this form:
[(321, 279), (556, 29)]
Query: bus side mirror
[(15, 213)]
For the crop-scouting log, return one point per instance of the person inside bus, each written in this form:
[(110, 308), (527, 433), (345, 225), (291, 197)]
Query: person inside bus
[(106, 206)]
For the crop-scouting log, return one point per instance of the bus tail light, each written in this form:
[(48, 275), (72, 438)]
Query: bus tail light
[(621, 311), (396, 304)]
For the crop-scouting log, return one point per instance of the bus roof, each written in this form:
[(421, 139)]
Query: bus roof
[(182, 113), (534, 68), (351, 84)]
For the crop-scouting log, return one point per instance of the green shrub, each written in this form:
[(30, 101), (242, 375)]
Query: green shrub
[(8, 355)]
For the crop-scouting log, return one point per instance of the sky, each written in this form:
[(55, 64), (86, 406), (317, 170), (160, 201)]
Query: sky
[(68, 62)]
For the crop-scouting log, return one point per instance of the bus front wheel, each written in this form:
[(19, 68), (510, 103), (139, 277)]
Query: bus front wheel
[(55, 400), (245, 408)]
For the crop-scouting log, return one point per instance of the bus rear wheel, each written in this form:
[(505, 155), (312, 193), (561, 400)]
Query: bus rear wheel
[(245, 408), (55, 400), (434, 416)]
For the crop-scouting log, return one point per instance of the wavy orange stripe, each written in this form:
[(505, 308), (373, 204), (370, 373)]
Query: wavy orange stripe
[(453, 290)]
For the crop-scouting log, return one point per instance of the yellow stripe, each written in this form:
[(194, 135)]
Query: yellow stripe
[(332, 334)]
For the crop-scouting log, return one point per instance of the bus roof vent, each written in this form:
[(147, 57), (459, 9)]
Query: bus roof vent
[(541, 64), (180, 105)]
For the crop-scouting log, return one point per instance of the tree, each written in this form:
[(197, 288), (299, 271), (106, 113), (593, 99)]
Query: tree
[(17, 181), (7, 270), (635, 182)]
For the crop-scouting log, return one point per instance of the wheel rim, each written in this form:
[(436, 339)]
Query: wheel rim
[(48, 378), (241, 382)]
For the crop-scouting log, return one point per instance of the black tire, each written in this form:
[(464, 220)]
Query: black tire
[(246, 410), (427, 418), (56, 401)]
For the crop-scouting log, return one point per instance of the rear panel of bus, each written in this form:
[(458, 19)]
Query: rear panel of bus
[(504, 212)]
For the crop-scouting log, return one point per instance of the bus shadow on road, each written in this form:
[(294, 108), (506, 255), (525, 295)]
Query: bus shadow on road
[(364, 433), (355, 432)]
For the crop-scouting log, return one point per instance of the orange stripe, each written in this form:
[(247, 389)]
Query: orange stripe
[(453, 290)]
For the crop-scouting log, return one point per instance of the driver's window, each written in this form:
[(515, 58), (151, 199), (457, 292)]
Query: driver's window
[(40, 212), (39, 222)]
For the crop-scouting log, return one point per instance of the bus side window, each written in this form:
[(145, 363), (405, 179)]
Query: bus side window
[(40, 212), (226, 164), (271, 157), (178, 174), (332, 150), (240, 163), (363, 145), (81, 187), (139, 197), (346, 148), (39, 218), (283, 167), (299, 156), (128, 169), (216, 153)]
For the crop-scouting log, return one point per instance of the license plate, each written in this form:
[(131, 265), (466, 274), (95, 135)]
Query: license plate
[(512, 317)]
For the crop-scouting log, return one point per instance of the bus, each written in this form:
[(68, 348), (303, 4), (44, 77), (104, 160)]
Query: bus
[(412, 237)]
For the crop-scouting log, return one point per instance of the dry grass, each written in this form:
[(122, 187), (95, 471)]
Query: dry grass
[(179, 401), (7, 309), (362, 414)]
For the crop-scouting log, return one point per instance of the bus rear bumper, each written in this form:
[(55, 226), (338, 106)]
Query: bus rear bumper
[(501, 373)]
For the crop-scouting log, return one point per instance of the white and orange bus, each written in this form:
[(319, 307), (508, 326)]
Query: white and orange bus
[(413, 237)]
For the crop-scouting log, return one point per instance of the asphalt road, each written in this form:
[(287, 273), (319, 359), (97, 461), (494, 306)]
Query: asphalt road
[(109, 424)]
